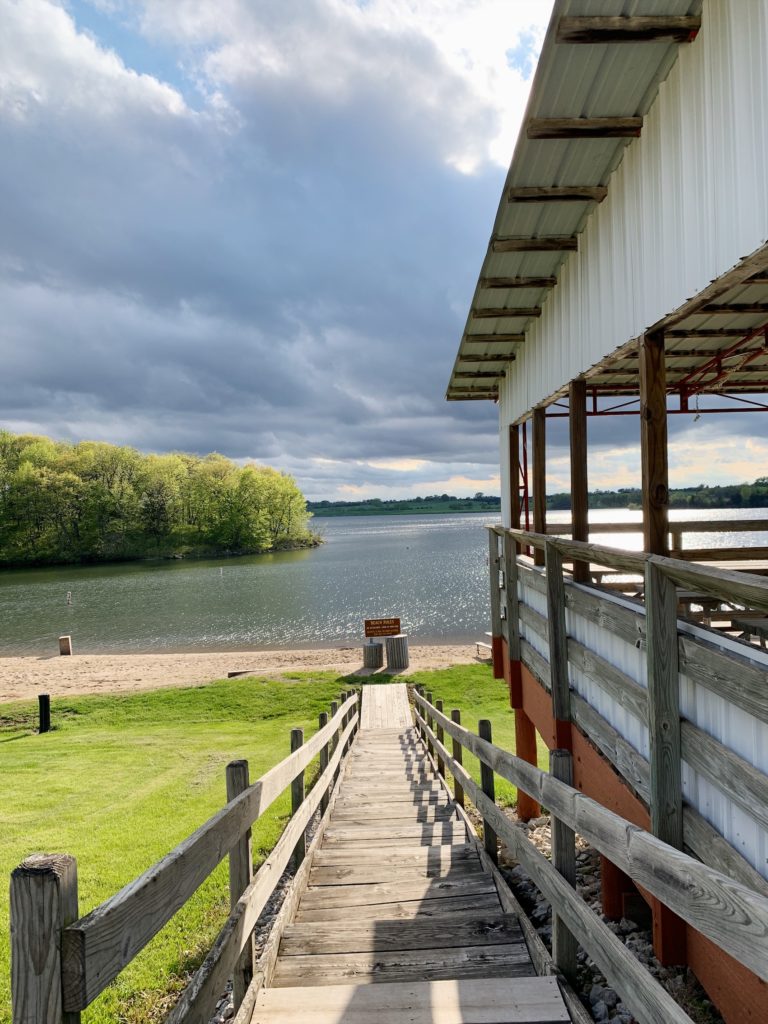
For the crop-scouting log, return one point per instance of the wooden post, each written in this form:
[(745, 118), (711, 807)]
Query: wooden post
[(653, 443), (666, 797), (457, 749), (240, 876), (324, 758), (65, 645), (539, 485), (496, 634), (564, 945), (488, 785), (297, 798), (430, 724), (558, 645), (441, 737), (43, 902), (335, 738), (514, 479), (577, 422), (525, 749), (44, 706)]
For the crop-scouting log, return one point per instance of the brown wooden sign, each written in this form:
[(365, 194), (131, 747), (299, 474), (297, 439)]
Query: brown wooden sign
[(382, 627)]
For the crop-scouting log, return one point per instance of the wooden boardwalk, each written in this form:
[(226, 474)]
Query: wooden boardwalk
[(397, 893)]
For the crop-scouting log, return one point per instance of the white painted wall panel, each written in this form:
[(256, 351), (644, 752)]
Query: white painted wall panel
[(689, 200)]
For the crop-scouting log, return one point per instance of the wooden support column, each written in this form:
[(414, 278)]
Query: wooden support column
[(514, 479), (577, 423), (525, 749), (43, 902), (539, 488), (496, 636), (240, 875), (558, 646), (512, 601), (490, 839), (564, 945), (653, 443)]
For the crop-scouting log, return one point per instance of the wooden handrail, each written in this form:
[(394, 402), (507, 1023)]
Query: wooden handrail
[(675, 527), (97, 947), (733, 916)]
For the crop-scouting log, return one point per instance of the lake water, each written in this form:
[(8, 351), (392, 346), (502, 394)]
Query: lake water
[(431, 571)]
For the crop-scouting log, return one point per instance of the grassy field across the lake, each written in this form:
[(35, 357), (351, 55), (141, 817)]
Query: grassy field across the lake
[(122, 779)]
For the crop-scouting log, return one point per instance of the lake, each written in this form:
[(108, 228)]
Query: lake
[(429, 570)]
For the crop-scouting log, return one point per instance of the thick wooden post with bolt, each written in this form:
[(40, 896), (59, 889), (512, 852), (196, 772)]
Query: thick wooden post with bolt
[(43, 902), (441, 737), (564, 945), (240, 875), (653, 443), (577, 422), (297, 798), (324, 758), (488, 785), (539, 488), (457, 749)]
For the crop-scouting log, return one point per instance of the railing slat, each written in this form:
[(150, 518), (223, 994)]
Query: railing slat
[(96, 948)]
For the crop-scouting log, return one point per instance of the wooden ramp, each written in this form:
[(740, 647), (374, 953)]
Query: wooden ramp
[(397, 894)]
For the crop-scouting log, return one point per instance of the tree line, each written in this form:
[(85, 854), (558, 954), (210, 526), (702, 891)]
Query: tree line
[(92, 501)]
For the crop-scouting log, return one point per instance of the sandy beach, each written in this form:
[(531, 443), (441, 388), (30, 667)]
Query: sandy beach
[(24, 678)]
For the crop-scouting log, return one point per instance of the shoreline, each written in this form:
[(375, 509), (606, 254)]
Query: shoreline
[(24, 677)]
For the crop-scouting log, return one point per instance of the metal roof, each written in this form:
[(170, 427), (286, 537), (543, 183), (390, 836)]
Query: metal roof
[(586, 83)]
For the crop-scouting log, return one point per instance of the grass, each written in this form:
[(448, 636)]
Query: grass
[(122, 779)]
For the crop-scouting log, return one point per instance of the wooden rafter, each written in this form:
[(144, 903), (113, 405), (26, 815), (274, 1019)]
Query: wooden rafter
[(550, 243), (584, 127), (495, 339), (478, 374), (517, 282), (722, 332), (642, 29), (558, 194), (487, 359), (506, 311), (734, 308)]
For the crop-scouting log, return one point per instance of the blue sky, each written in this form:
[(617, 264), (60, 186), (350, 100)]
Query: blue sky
[(255, 226)]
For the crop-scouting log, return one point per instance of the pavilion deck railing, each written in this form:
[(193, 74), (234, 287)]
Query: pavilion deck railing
[(732, 915), (60, 963), (680, 711)]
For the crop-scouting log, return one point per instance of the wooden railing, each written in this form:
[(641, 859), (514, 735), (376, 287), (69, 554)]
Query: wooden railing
[(678, 528), (675, 653), (60, 963), (732, 915)]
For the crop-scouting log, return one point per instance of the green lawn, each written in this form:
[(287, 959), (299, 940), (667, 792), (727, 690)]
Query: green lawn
[(122, 779)]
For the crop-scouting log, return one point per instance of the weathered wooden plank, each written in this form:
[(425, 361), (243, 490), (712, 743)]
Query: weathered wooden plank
[(726, 584), (488, 783), (394, 813), (535, 662), (711, 848), (502, 313), (401, 856), (487, 1001), (453, 908), (503, 961), (622, 29), (622, 688), (629, 762), (424, 890), (557, 194), (359, 874), (534, 620), (556, 634), (564, 945), (508, 283), (318, 938), (746, 785), (240, 875), (438, 831), (96, 948), (607, 613), (577, 437), (550, 243)]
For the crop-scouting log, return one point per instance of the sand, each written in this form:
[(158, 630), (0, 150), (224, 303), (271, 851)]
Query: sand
[(24, 678)]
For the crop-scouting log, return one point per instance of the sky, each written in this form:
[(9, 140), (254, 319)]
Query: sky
[(255, 227)]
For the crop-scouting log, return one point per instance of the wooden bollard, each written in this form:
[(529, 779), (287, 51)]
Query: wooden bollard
[(487, 782), (458, 789), (297, 799), (65, 645), (44, 705), (322, 722), (441, 738), (43, 902), (240, 875)]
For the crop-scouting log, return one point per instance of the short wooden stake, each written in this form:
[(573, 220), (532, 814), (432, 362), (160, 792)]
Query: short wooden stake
[(240, 875), (65, 645), (324, 758), (490, 839), (457, 750), (43, 902), (564, 945), (297, 798), (441, 738), (44, 705)]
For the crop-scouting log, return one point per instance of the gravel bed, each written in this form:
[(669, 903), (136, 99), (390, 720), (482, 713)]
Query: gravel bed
[(597, 995)]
